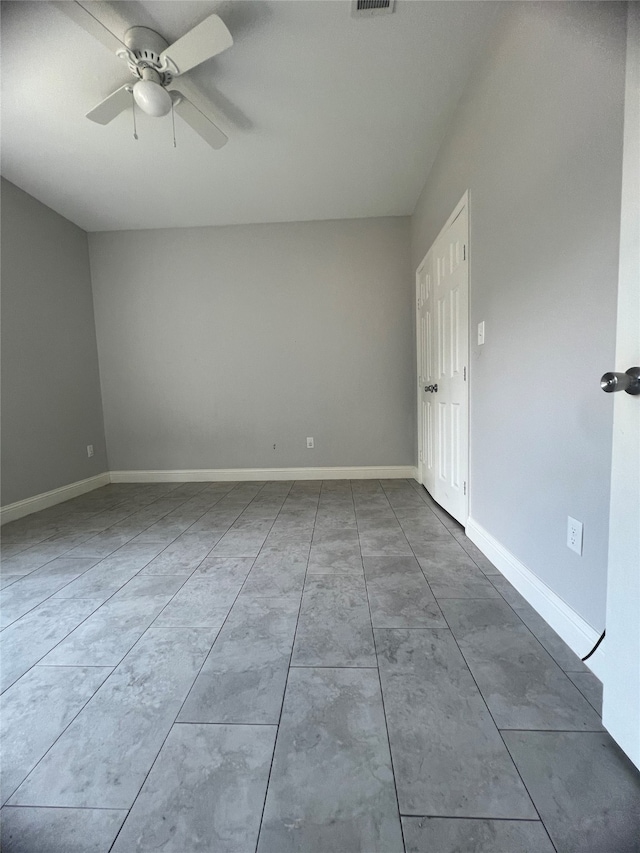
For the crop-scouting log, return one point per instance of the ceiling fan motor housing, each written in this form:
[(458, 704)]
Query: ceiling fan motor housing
[(145, 47)]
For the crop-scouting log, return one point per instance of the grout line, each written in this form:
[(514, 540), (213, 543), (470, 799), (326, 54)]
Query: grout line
[(498, 730), (384, 710), (75, 716), (468, 817), (69, 808), (188, 692), (327, 666), (222, 723), (284, 692)]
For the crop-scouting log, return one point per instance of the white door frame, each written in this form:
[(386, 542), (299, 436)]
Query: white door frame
[(620, 657), (464, 202)]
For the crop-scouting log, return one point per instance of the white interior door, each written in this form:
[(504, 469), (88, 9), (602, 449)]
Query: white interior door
[(443, 347), (620, 667), (426, 377)]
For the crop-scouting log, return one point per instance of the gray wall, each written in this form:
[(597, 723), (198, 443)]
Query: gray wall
[(51, 407), (537, 141), (217, 343)]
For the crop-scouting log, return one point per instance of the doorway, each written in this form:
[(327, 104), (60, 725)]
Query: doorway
[(442, 334)]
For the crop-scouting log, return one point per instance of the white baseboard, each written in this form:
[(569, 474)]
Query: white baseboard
[(215, 475), (576, 633), (11, 512)]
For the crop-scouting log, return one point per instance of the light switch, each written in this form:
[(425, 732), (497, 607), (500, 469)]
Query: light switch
[(480, 333)]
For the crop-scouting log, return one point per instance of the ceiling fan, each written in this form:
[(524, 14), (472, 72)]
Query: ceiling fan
[(154, 63)]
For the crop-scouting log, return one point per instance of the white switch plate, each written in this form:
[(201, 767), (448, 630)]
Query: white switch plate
[(574, 535), (89, 450), (480, 333), (309, 443)]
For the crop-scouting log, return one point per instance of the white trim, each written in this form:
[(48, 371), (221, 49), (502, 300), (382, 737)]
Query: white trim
[(372, 472), (11, 512), (571, 627)]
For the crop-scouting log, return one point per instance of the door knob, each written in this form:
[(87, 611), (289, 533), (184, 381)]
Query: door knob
[(431, 388), (628, 381)]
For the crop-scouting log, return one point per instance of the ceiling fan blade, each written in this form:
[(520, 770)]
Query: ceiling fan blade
[(85, 19), (199, 122), (112, 106), (202, 42)]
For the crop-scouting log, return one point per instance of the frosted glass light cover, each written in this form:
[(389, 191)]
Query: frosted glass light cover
[(152, 98)]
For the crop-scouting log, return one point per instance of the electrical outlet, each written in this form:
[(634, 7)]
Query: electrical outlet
[(574, 535), (309, 443), (89, 450)]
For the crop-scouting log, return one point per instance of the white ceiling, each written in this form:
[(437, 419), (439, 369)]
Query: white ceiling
[(328, 117)]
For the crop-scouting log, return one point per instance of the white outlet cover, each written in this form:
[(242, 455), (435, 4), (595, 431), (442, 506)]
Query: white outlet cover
[(481, 333), (574, 535), (309, 443)]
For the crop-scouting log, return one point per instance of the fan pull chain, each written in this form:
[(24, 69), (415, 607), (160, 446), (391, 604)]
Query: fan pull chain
[(173, 121), (133, 111)]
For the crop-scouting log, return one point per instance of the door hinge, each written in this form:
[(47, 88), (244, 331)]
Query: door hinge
[(465, 488), (464, 373), (464, 253)]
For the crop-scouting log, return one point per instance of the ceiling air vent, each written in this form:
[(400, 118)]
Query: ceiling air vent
[(367, 8)]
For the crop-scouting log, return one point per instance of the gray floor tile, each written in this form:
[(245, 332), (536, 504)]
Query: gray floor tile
[(37, 830), (67, 568), (102, 544), (29, 560), (7, 580), (205, 792), (102, 759), (150, 586), (451, 835), (35, 711), (105, 578), (228, 571), (107, 635), (452, 575), (423, 542), (399, 596), (448, 756), (201, 603), (586, 790), (522, 685), (567, 659), (335, 551), (182, 557), (290, 531), (26, 641), (241, 542), (279, 570), (590, 687), (330, 790), (450, 761), (475, 553), (334, 628), (331, 519), (8, 550), (244, 676), (25, 594), (165, 530), (375, 524), (386, 543)]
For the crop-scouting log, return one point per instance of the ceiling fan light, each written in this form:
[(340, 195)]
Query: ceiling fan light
[(152, 98)]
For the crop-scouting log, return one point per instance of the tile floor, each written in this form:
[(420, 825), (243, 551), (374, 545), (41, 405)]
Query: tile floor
[(324, 667)]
